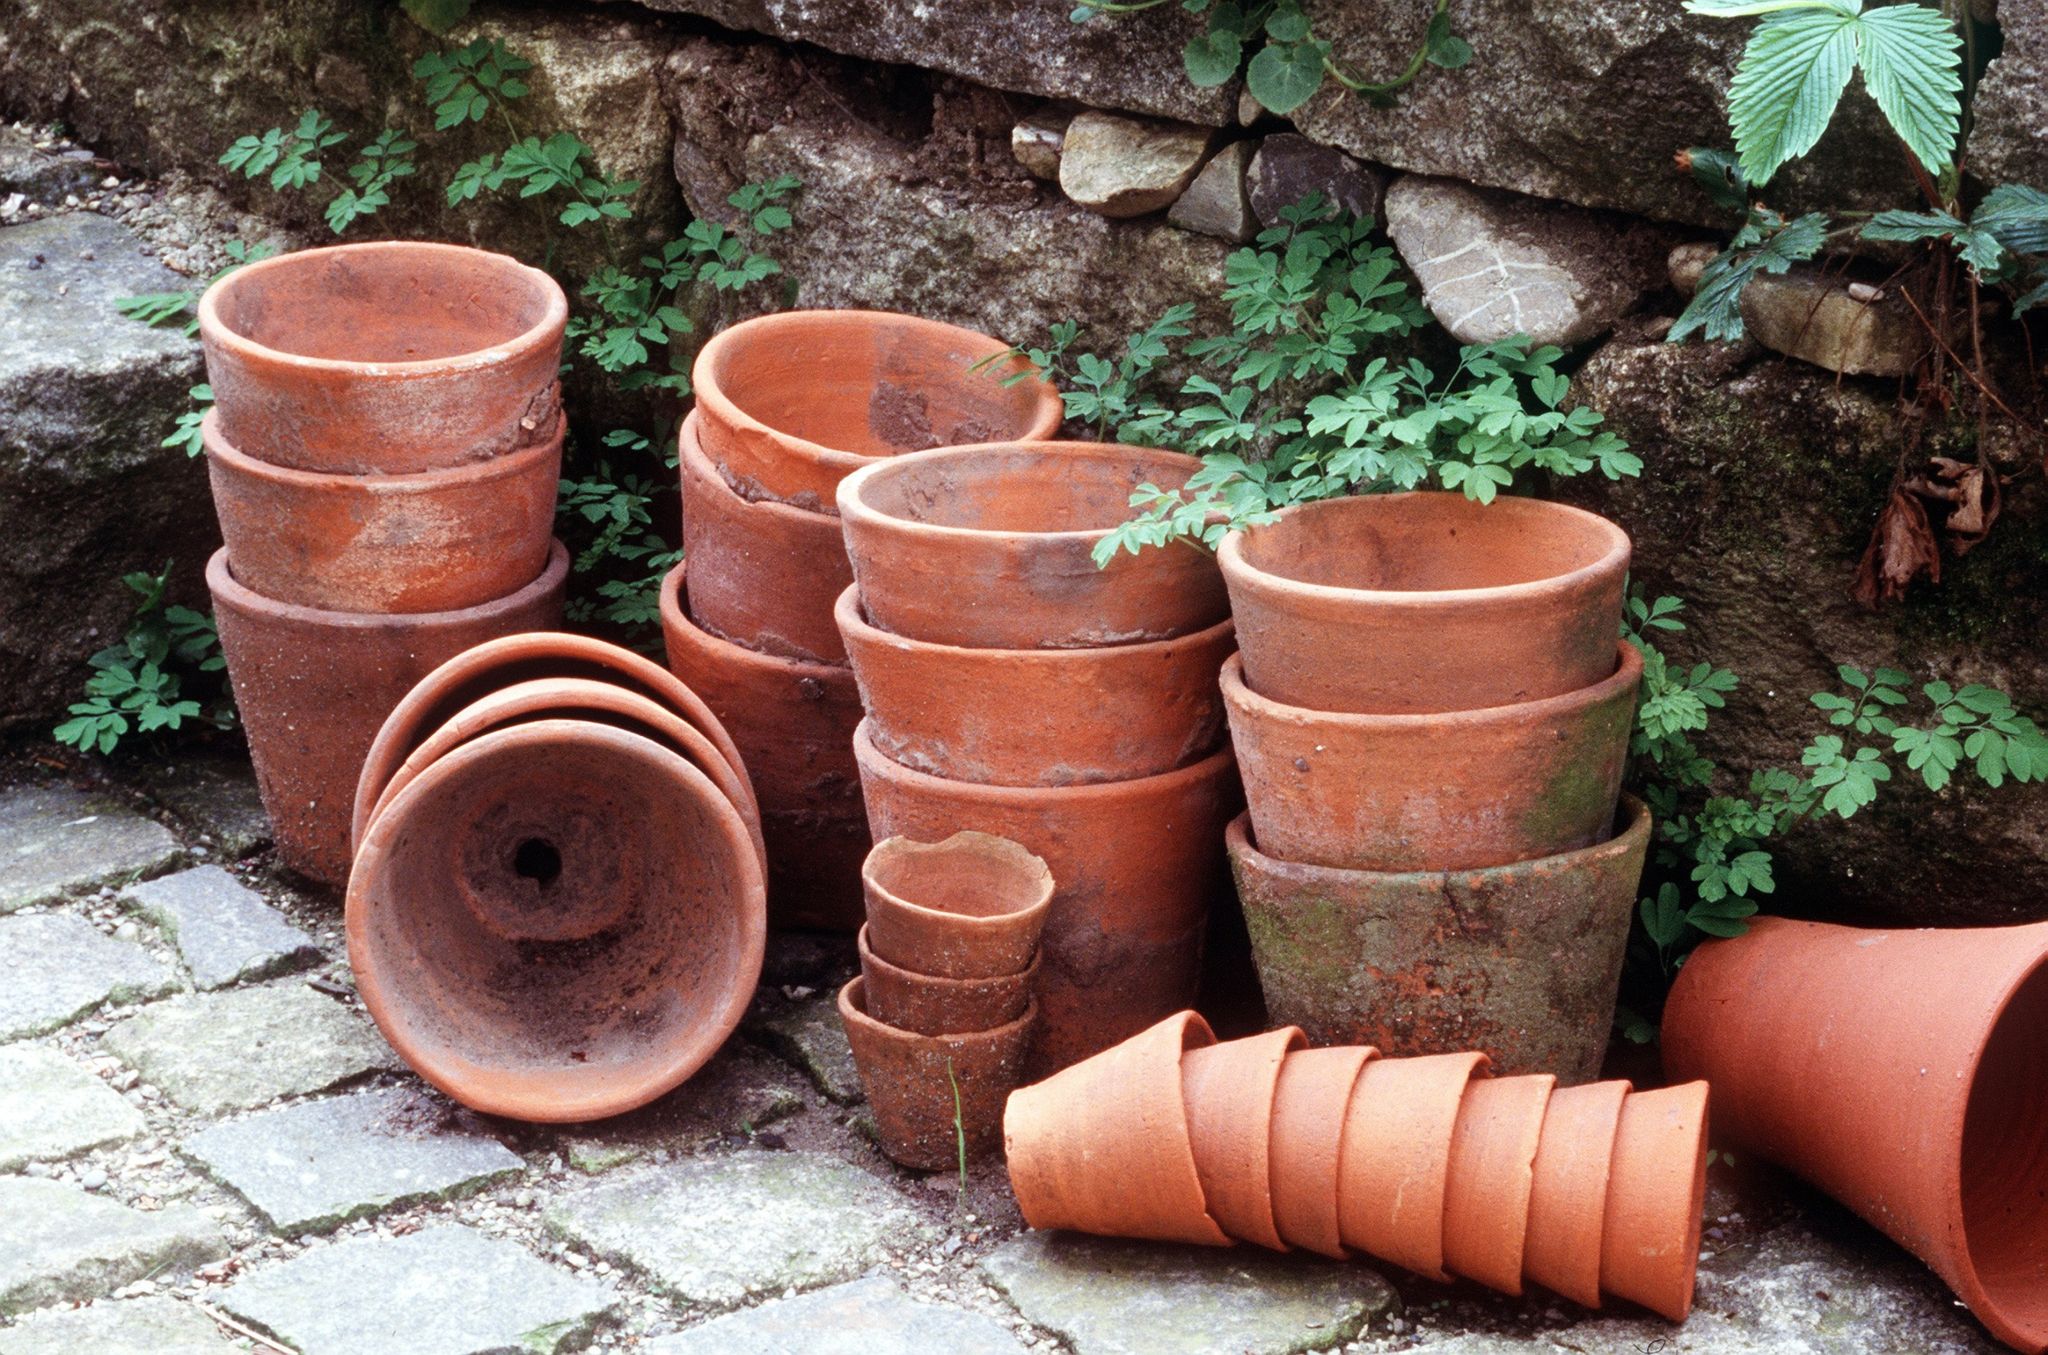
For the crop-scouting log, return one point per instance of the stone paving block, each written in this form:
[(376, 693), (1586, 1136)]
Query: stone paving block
[(447, 1290), (147, 1326), (56, 841), (52, 1108), (223, 929), (863, 1317), (742, 1090), (59, 967), (217, 798), (59, 1243), (809, 1034)]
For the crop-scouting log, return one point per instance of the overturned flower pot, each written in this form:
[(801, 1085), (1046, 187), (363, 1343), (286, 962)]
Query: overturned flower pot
[(1310, 1099), (1229, 1092), (972, 906), (937, 1098)]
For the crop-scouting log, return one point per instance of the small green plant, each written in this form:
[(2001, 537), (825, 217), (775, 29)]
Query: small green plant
[(164, 309), (140, 684), (959, 1123)]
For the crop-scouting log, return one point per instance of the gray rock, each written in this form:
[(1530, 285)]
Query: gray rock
[(217, 797), (60, 967), (863, 1317), (223, 929), (52, 1108), (1036, 142), (741, 1091), (1126, 167), (1288, 167), (1807, 315), (56, 841), (1216, 203), (809, 1033), (2009, 116), (45, 176), (1687, 261), (61, 1243), (146, 1326)]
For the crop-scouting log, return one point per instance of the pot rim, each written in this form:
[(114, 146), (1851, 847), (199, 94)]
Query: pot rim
[(466, 476), (227, 588), (692, 456), (853, 622), (1037, 868), (855, 990), (864, 750), (1238, 695), (936, 981), (676, 617)]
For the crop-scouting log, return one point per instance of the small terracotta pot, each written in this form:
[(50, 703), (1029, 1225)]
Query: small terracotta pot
[(1420, 603), (1045, 717), (313, 687), (911, 1081), (992, 547), (1103, 1147), (1309, 1103), (1656, 1185), (557, 921), (1394, 1166), (763, 575), (387, 358), (1568, 1195), (970, 907), (924, 1005), (1460, 791), (1493, 1161), (791, 403), (1228, 1090)]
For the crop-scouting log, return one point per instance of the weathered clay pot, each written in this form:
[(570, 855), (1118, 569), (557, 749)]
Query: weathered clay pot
[(924, 1005), (911, 1083), (1905, 1073), (1103, 1146), (1459, 791), (1522, 961), (1493, 1160), (384, 358), (970, 907), (1568, 1192), (313, 687), (1420, 603), (1228, 1091), (557, 921), (791, 403), (1309, 1104), (991, 547), (1395, 1163), (1656, 1184), (1038, 717), (763, 575)]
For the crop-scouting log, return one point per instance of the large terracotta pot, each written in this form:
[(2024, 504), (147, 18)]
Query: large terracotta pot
[(1309, 1103), (1905, 1073), (1395, 1164), (970, 907), (992, 547), (1657, 1181), (1493, 1161), (936, 1098), (1419, 603), (791, 403), (558, 921), (922, 1004), (313, 687), (1459, 791), (1038, 717), (384, 358), (1228, 1090), (1568, 1189)]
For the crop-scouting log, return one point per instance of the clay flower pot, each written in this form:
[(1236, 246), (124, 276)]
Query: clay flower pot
[(1228, 1090), (386, 358), (910, 1080), (1900, 1071), (1568, 1190), (1522, 961), (924, 1005), (1493, 1170), (970, 907), (1459, 791), (1038, 717), (432, 541), (991, 547), (1309, 1103), (557, 921), (1656, 1184), (313, 687), (1419, 603), (1395, 1163)]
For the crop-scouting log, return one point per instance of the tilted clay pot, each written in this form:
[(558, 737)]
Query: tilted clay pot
[(992, 547), (924, 1005), (1309, 1103), (557, 921), (931, 1092), (385, 358), (1038, 717), (1905, 1072), (970, 907), (1395, 1163), (1228, 1091), (1568, 1193), (1459, 791), (1522, 961), (1493, 1161), (313, 688), (790, 403), (1419, 603), (1656, 1184)]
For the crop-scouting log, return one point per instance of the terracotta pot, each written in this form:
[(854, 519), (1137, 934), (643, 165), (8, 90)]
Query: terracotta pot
[(1228, 1090), (1568, 1195), (924, 1005), (991, 547), (1309, 1103), (313, 687), (1394, 1166), (970, 907), (1656, 1185), (1103, 1147), (1522, 961), (911, 1081), (1047, 717), (558, 921), (1460, 791), (1135, 868), (763, 575), (1419, 603), (1904, 1073), (385, 358), (1493, 1161)]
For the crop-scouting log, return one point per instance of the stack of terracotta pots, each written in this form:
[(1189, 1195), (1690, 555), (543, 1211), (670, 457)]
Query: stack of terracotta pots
[(1432, 711), (1429, 1163), (384, 448), (1013, 687), (787, 406)]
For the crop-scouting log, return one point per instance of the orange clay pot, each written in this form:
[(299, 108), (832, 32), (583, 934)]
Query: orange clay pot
[(1656, 1185), (313, 687), (1568, 1193), (991, 547), (1309, 1103), (1486, 1195), (763, 575), (1103, 1147), (1038, 717), (970, 907), (1459, 791), (1394, 604), (558, 921), (386, 358), (923, 1005), (1228, 1091), (1394, 1166), (789, 404), (910, 1080), (1904, 1072)]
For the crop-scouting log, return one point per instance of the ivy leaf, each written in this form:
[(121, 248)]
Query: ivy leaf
[(1287, 24), (1790, 79), (1910, 55), (1441, 46), (1283, 78), (1212, 58), (1715, 310)]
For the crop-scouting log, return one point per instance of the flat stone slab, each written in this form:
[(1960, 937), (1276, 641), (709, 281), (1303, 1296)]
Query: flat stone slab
[(51, 1108), (447, 1290), (60, 967), (314, 1166), (218, 798), (147, 1326), (55, 841), (864, 1317), (808, 1032), (223, 929), (743, 1090), (59, 1243)]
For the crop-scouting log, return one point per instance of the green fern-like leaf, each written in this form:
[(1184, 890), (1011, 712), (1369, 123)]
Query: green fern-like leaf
[(1786, 88), (1910, 55)]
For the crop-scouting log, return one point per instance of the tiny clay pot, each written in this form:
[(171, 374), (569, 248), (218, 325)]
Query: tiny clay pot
[(912, 1082), (1656, 1185), (791, 403), (1466, 790), (1309, 1103), (384, 359), (970, 907), (1568, 1189), (1394, 1167), (1038, 717), (1415, 604), (924, 1005), (1228, 1090), (1493, 1161), (313, 688), (992, 547)]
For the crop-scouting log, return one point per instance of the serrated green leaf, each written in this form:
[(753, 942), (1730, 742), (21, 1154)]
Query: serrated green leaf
[(1787, 85), (1715, 311), (1910, 56)]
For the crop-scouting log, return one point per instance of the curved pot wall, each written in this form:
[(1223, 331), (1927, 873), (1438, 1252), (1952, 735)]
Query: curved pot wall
[(970, 907), (920, 1004), (929, 1092)]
